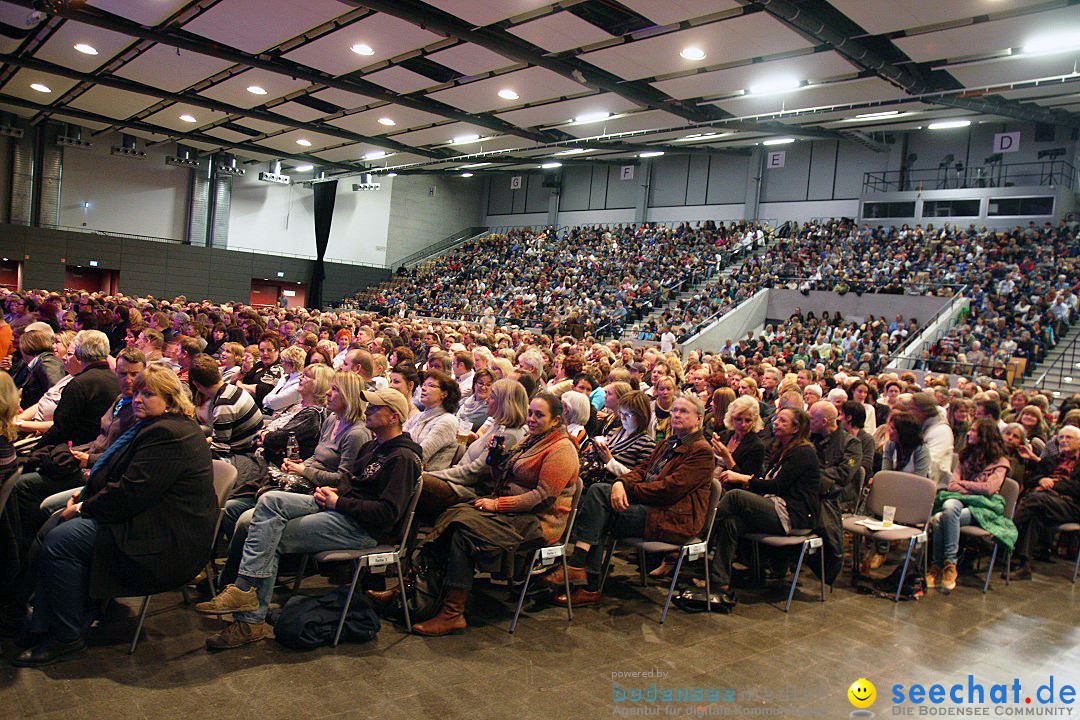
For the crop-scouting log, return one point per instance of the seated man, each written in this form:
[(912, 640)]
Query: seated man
[(839, 452), (665, 498), (1055, 500), (852, 419), (367, 506)]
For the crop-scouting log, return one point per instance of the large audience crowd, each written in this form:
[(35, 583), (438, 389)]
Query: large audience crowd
[(113, 408)]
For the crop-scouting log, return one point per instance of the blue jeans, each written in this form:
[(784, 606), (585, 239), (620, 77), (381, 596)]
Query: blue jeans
[(62, 580), (284, 522), (234, 508), (597, 519), (58, 501), (945, 530)]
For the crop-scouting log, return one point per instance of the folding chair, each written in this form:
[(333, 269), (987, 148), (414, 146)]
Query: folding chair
[(542, 557), (913, 497), (8, 486), (224, 480), (692, 549), (377, 557), (1071, 528), (1010, 491), (810, 543)]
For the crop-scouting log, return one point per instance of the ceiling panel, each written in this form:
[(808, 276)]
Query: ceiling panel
[(298, 112), (854, 91), (367, 122), (560, 112), (880, 17), (444, 134), (234, 90), (532, 84), (111, 102), (343, 98), (1015, 69), (817, 66), (387, 36), (471, 59), (349, 153), (170, 117), (736, 39), (672, 11), (87, 124), (144, 13), (485, 12), (257, 25), (561, 31), (989, 36), (171, 69), (60, 48), (400, 80), (227, 134), (635, 121), (261, 125), (287, 141), (19, 86), (1043, 90)]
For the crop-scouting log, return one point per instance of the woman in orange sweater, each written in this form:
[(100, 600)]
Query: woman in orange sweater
[(533, 492)]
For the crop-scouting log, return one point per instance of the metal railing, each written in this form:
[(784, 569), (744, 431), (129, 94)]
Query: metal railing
[(1065, 361), (953, 176), (444, 244)]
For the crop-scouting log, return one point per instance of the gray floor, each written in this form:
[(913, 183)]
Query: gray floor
[(552, 669)]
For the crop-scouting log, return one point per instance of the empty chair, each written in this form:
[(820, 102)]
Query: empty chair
[(1071, 528), (809, 542)]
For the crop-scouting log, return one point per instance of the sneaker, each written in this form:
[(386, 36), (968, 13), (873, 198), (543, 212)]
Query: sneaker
[(948, 577), (230, 600), (237, 634), (933, 578)]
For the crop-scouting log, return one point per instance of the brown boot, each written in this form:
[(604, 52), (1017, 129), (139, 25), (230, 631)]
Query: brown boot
[(450, 620), (948, 577), (580, 597), (555, 577), (383, 598)]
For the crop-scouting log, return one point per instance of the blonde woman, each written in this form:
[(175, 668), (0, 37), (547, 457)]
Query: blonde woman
[(286, 392), (9, 408), (303, 420), (230, 357)]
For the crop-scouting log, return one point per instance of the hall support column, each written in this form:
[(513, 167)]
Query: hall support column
[(553, 207), (755, 176), (641, 202)]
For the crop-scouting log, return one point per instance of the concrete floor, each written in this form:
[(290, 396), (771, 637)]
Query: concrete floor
[(552, 669)]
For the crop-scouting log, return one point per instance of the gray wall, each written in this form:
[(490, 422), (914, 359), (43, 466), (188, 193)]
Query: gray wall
[(168, 269), (419, 219), (782, 304)]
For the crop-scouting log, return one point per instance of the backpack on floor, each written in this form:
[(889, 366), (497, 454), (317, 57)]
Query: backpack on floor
[(305, 622)]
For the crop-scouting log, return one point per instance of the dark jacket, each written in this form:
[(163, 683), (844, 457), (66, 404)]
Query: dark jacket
[(869, 449), (45, 373), (155, 501), (376, 493), (749, 456), (796, 478), (85, 399), (674, 485), (839, 456), (1069, 486)]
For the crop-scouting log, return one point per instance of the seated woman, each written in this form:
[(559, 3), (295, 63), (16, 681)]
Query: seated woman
[(528, 507), (435, 428), (625, 446), (286, 392), (38, 417), (230, 357), (716, 410), (1022, 457), (904, 448), (141, 524), (607, 419), (575, 411), (474, 410), (665, 498), (738, 448), (784, 497), (664, 390), (1031, 417), (403, 378), (303, 421), (981, 471), (507, 406), (44, 369)]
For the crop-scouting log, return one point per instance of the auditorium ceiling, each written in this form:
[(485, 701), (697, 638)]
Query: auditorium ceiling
[(452, 85)]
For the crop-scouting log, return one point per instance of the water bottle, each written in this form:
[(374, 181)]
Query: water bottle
[(293, 450), (495, 452)]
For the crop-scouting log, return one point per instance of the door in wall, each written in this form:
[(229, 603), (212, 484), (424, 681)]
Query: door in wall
[(270, 292), (11, 274), (90, 279)]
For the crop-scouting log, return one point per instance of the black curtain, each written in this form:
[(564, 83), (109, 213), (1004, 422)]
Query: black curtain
[(325, 193)]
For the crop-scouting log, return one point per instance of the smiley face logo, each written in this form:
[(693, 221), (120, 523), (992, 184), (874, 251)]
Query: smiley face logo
[(862, 693)]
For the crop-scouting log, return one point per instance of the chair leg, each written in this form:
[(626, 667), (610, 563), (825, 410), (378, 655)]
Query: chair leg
[(211, 580), (1076, 567), (903, 573), (348, 602), (1008, 565), (795, 577), (300, 573), (566, 587), (404, 595), (138, 628), (708, 584), (990, 570), (671, 588), (607, 563), (821, 560), (641, 568), (525, 589)]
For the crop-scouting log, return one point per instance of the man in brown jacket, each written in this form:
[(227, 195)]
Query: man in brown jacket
[(665, 498)]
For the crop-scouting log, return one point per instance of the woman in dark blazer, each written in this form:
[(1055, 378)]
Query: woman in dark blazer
[(141, 525), (44, 369), (739, 448)]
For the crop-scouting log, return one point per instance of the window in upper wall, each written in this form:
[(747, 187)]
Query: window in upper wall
[(1022, 206), (889, 209), (950, 208)]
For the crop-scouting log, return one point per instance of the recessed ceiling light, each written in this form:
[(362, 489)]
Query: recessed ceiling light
[(391, 174), (462, 139), (466, 174), (778, 141), (387, 121), (948, 124), (693, 53), (876, 115), (304, 168), (304, 142), (571, 151), (187, 118), (471, 166), (362, 49), (698, 137), (40, 87), (550, 165), (256, 89), (86, 49), (591, 117), (651, 153), (775, 85), (1055, 43), (375, 155), (508, 94)]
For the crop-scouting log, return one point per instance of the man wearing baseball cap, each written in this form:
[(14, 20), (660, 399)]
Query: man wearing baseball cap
[(366, 508)]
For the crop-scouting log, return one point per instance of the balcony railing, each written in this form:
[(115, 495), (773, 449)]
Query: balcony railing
[(958, 176)]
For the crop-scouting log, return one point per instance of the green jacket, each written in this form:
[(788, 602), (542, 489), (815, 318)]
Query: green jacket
[(988, 512)]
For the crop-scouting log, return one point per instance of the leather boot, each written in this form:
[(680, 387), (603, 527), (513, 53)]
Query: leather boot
[(451, 618), (382, 598), (555, 577)]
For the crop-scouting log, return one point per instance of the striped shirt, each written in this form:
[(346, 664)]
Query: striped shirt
[(237, 420)]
